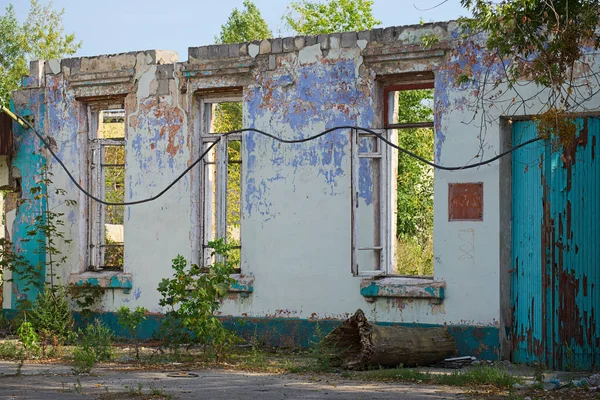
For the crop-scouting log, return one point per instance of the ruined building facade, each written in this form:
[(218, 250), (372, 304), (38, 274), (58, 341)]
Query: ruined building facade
[(314, 223)]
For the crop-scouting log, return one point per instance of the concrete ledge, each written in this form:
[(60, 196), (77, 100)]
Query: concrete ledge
[(243, 284), (104, 280), (414, 288)]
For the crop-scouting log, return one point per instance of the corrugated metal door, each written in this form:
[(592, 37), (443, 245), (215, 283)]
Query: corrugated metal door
[(556, 260)]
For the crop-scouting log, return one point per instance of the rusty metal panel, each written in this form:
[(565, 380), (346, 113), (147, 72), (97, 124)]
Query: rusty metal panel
[(465, 201), (556, 223), (6, 135), (528, 271)]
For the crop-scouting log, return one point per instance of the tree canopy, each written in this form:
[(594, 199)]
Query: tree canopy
[(319, 17), (244, 26), (544, 41), (40, 37)]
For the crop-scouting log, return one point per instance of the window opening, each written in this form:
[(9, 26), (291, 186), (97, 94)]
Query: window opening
[(107, 180), (410, 120), (222, 176)]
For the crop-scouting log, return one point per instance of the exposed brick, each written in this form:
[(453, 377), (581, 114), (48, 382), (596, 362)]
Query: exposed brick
[(364, 35), (223, 51), (199, 53), (234, 50), (272, 62), (376, 35), (334, 40), (276, 45), (265, 47), (387, 35), (288, 44), (244, 49), (349, 39), (72, 63), (213, 51), (310, 40), (324, 41), (165, 71), (299, 42)]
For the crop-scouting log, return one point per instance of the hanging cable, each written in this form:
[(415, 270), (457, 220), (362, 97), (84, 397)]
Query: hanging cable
[(23, 122)]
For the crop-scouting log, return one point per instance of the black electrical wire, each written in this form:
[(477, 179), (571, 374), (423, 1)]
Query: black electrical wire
[(288, 141)]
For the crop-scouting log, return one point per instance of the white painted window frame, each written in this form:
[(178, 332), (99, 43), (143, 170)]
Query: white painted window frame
[(221, 148), (385, 219), (96, 184)]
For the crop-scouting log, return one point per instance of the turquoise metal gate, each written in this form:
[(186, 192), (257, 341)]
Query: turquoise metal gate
[(555, 249)]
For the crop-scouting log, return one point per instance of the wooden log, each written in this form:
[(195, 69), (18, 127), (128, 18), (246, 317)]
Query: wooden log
[(357, 344)]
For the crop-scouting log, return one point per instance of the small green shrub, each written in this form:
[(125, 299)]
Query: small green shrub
[(51, 316), (131, 320), (83, 360), (97, 338), (9, 350), (29, 338), (192, 298)]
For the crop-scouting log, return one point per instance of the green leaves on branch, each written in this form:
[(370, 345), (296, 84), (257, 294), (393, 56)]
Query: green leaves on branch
[(244, 26), (192, 298), (542, 40), (40, 37), (315, 17)]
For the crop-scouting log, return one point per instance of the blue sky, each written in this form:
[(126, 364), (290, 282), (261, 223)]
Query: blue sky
[(115, 26)]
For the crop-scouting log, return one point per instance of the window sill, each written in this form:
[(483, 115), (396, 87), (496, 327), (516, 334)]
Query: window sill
[(243, 285), (411, 288), (104, 280)]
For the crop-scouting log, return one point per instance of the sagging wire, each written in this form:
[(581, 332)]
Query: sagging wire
[(24, 123)]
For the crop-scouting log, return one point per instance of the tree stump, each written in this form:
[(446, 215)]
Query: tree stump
[(357, 344)]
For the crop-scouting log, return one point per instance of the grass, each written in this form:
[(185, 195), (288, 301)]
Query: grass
[(480, 375), (412, 258)]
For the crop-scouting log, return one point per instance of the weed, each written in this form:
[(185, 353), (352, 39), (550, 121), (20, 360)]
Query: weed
[(323, 355), (77, 386), (83, 360), (97, 338), (9, 350), (159, 392), (481, 375), (192, 299), (135, 391), (51, 316), (131, 320), (28, 338)]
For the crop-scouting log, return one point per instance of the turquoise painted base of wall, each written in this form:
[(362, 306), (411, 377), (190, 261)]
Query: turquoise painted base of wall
[(478, 341)]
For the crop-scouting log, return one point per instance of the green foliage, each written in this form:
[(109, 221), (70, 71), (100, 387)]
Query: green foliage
[(480, 375), (244, 26), (9, 350), (429, 40), (131, 321), (329, 16), (414, 225), (40, 37), (51, 316), (414, 258), (97, 338), (83, 360), (542, 39), (29, 338), (192, 298)]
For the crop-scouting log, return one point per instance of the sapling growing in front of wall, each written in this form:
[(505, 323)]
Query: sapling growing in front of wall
[(131, 321), (192, 298)]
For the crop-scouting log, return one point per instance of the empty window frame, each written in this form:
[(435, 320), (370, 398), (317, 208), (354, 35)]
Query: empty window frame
[(221, 183), (392, 204), (107, 181), (409, 122)]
